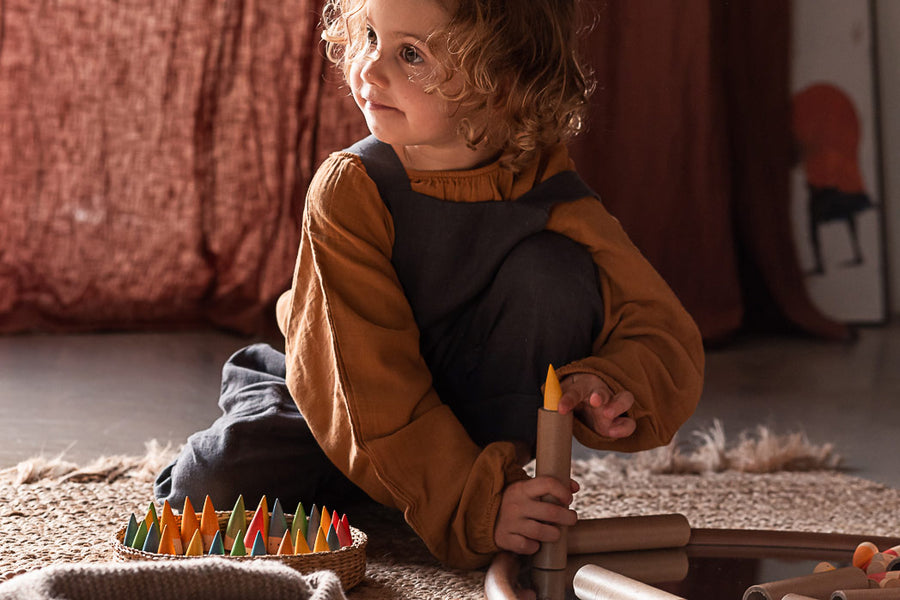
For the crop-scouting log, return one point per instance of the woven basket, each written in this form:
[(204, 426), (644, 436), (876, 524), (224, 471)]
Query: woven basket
[(349, 562)]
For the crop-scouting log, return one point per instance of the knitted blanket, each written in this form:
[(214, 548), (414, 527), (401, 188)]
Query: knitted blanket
[(200, 579)]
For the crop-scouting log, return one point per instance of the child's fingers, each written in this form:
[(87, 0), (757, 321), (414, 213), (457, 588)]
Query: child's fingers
[(619, 404), (517, 543), (621, 427), (551, 513), (569, 401), (545, 485), (538, 531)]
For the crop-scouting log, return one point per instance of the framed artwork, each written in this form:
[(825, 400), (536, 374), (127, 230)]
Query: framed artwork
[(835, 199)]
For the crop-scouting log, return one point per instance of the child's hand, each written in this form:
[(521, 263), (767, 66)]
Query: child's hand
[(524, 520), (595, 404)]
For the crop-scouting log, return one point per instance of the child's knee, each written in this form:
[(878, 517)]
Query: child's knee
[(554, 280)]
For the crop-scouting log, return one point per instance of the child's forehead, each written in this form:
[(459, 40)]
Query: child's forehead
[(418, 18)]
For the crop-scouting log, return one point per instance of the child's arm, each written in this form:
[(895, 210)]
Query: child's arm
[(649, 353), (355, 371)]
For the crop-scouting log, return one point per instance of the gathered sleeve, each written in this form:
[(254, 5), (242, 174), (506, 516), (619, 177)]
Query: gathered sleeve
[(649, 344), (356, 373)]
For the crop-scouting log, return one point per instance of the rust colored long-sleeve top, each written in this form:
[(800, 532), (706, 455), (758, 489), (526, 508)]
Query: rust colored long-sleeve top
[(356, 373)]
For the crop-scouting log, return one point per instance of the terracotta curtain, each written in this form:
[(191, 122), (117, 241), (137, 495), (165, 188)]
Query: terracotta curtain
[(154, 156), (689, 146)]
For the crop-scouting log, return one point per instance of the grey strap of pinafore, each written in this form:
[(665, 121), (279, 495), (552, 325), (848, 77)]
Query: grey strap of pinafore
[(446, 253)]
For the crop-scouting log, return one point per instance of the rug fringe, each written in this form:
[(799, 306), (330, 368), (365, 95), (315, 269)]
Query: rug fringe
[(105, 468), (758, 451)]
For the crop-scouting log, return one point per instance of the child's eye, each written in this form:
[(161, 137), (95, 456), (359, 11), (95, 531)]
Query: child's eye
[(410, 55), (371, 37)]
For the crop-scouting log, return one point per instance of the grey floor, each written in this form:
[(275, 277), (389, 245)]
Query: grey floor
[(89, 395)]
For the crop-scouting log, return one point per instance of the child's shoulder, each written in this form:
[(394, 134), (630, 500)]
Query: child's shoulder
[(341, 174), (341, 168), (341, 190)]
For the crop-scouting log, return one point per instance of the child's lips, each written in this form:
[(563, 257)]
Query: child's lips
[(377, 106)]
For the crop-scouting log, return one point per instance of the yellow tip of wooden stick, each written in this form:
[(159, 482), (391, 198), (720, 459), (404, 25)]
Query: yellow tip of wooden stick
[(552, 390)]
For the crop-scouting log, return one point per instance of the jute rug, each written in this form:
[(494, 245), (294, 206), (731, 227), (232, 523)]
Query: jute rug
[(56, 512)]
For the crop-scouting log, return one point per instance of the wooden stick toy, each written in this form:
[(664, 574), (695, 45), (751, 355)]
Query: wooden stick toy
[(140, 536), (151, 542), (285, 547), (321, 542), (299, 521), (151, 517), (238, 549), (209, 524), (167, 540), (259, 524), (259, 545), (195, 546), (217, 547), (554, 458), (300, 545), (168, 520), (277, 528), (130, 531), (189, 523), (312, 526), (237, 523)]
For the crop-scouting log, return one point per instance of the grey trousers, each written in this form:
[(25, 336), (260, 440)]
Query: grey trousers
[(544, 306)]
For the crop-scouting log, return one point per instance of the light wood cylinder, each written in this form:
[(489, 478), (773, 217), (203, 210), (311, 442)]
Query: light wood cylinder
[(871, 594), (596, 583), (647, 566), (591, 536)]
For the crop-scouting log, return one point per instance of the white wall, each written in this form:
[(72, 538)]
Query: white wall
[(887, 31), (833, 45)]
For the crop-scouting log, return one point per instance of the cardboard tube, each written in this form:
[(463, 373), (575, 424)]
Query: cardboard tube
[(797, 597), (872, 594), (596, 583), (647, 566), (554, 458), (817, 585), (590, 536), (549, 584)]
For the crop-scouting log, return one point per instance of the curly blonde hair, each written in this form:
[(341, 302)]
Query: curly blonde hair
[(523, 86)]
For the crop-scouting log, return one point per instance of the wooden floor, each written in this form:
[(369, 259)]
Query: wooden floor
[(90, 395)]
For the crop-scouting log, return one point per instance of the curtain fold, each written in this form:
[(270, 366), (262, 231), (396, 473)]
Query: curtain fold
[(689, 146)]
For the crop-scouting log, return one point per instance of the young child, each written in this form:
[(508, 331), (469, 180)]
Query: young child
[(444, 263)]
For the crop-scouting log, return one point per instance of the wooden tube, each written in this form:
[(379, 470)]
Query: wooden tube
[(817, 585), (554, 458), (871, 594), (549, 584), (667, 565), (596, 583), (590, 536)]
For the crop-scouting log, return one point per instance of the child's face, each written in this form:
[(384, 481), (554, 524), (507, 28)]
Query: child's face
[(389, 83)]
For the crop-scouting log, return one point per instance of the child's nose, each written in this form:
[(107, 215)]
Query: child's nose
[(373, 69)]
